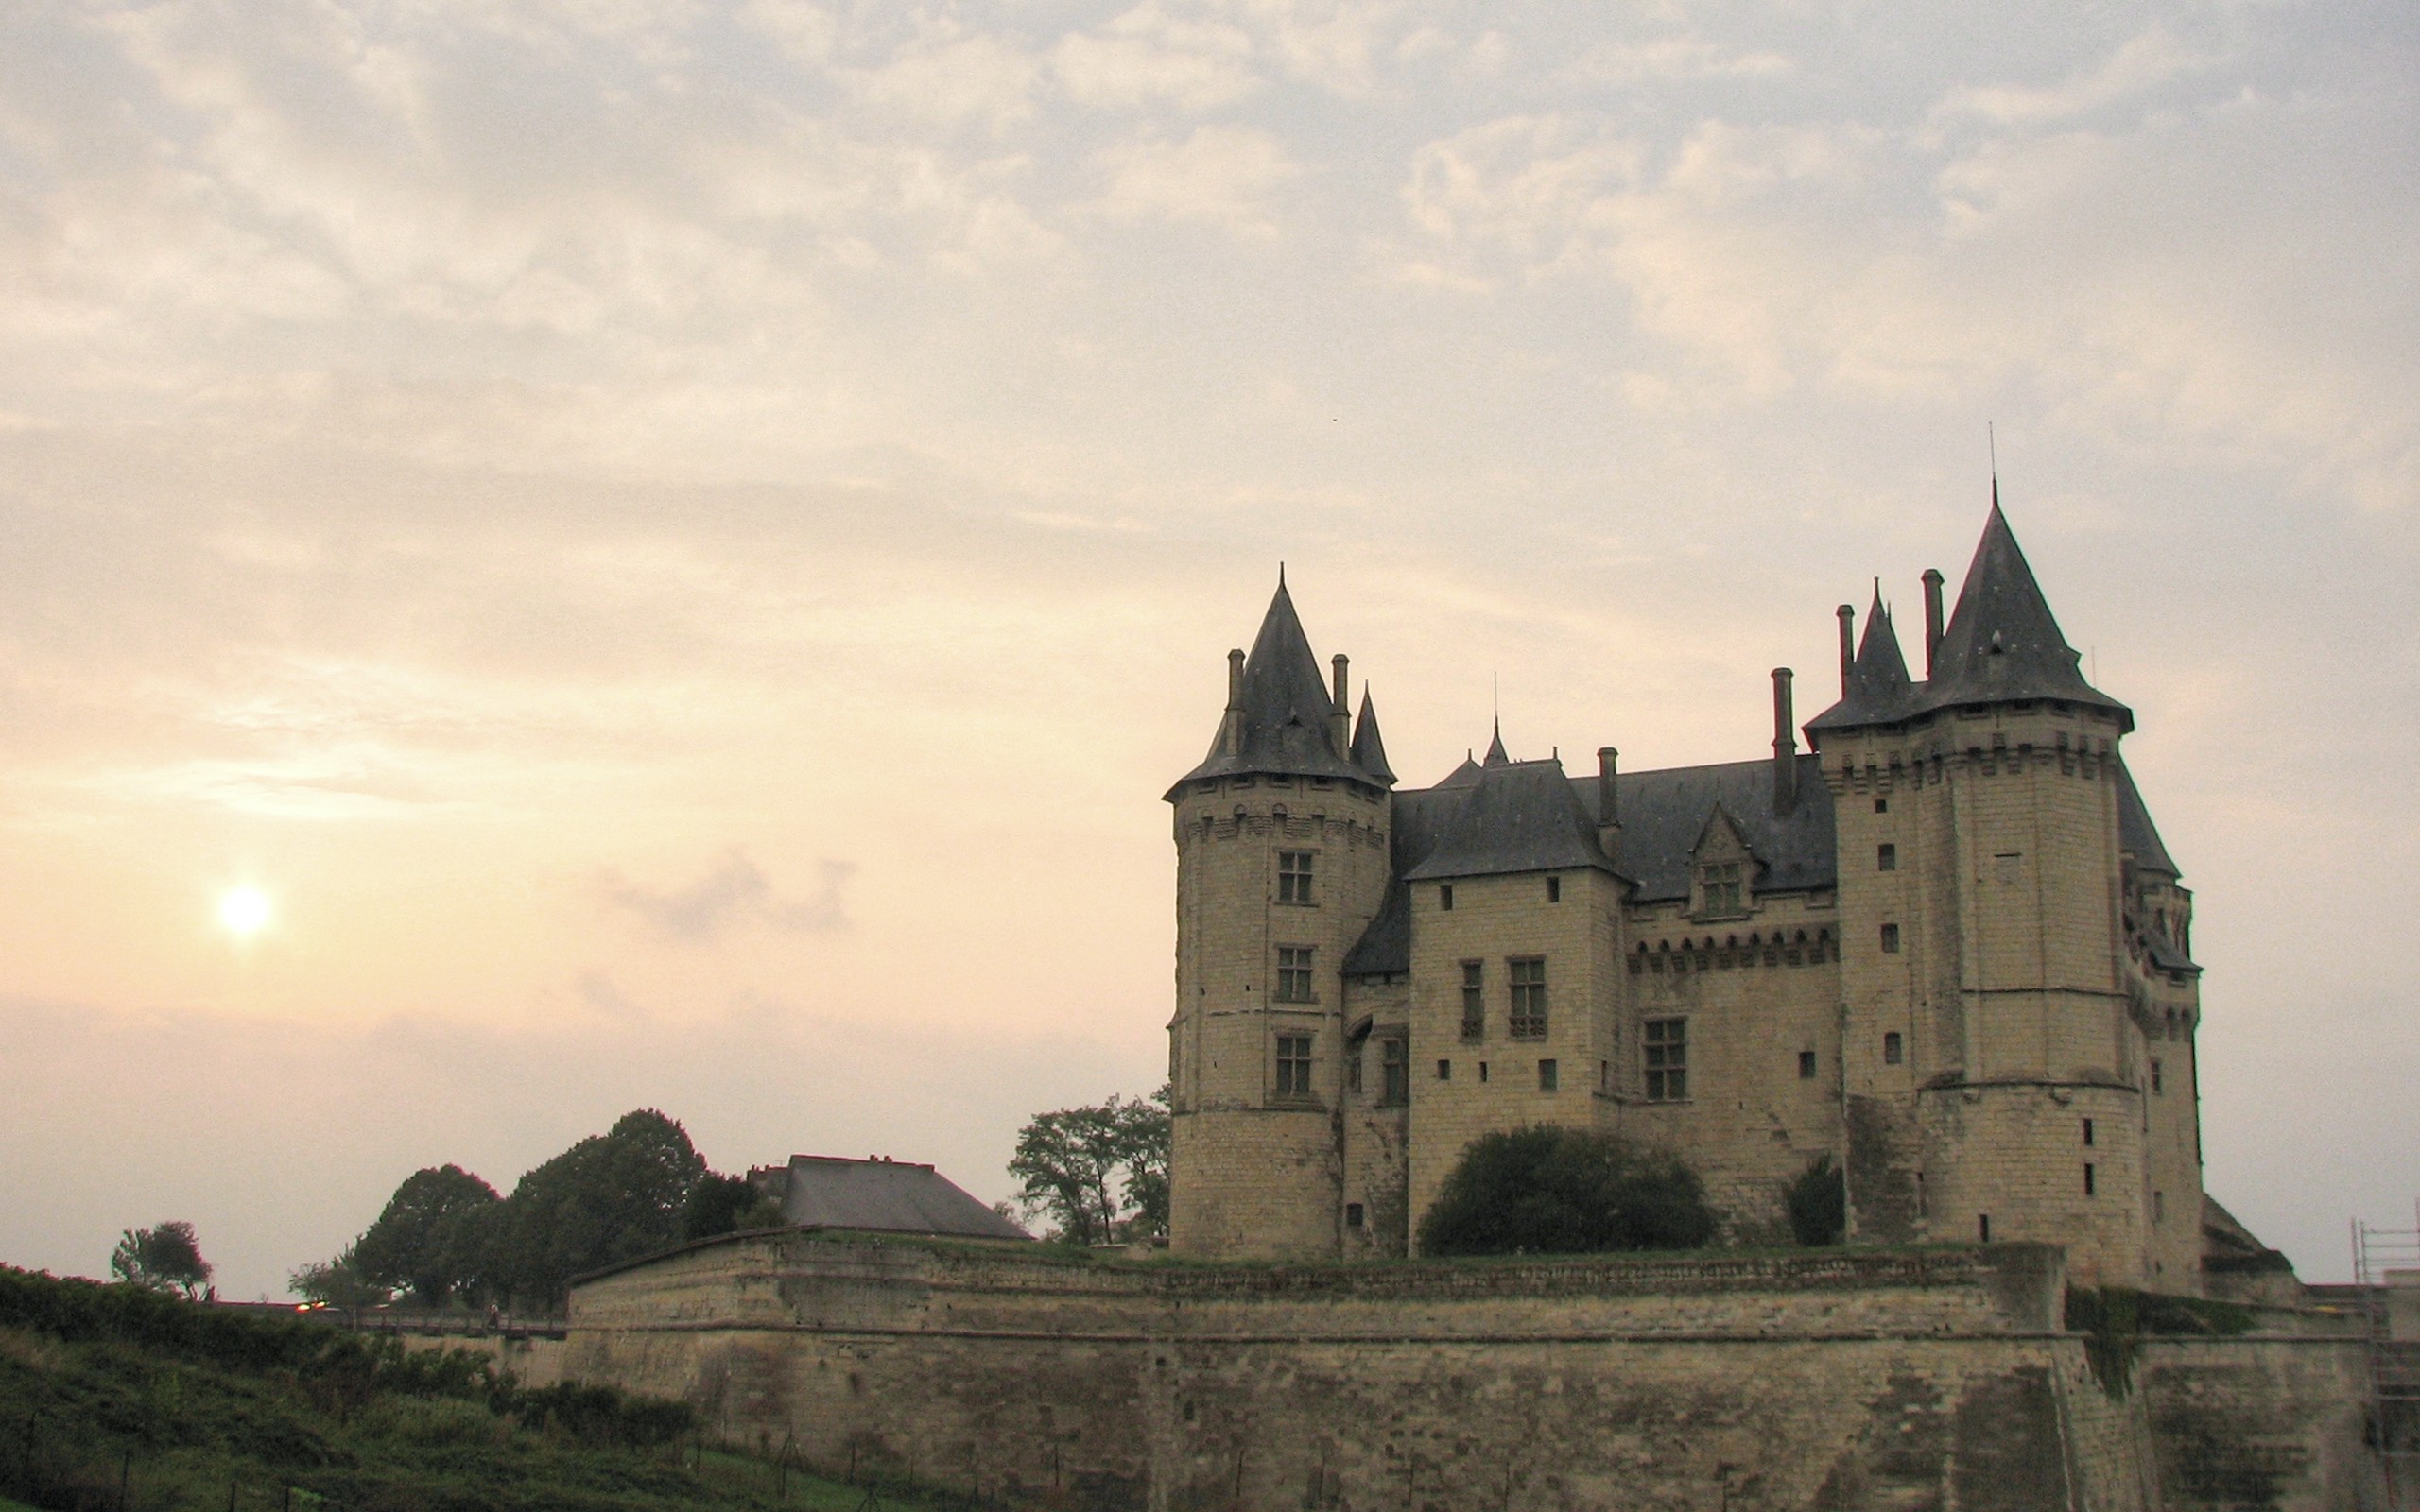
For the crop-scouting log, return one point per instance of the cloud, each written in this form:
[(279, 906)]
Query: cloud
[(1222, 176), (2137, 67), (1148, 57), (734, 894), (1671, 59)]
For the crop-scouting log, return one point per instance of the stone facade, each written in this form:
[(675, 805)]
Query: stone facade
[(1846, 1378), (1945, 947)]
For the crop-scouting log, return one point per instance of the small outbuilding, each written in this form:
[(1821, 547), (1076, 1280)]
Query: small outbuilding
[(879, 1195)]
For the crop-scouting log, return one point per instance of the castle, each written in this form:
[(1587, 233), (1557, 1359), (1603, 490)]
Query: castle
[(1942, 946)]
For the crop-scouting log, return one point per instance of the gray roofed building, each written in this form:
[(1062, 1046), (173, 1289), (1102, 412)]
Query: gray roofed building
[(1369, 749), (879, 1196), (1280, 718), (1879, 690)]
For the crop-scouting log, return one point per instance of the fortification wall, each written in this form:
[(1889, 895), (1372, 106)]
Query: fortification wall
[(1935, 1378)]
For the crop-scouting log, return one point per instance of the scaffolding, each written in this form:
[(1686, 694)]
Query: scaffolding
[(2386, 1267)]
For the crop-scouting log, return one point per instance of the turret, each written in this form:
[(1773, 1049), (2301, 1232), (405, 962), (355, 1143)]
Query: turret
[(1995, 1088), (1281, 835)]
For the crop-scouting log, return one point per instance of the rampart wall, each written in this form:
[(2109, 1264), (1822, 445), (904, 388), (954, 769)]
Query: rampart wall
[(1935, 1379)]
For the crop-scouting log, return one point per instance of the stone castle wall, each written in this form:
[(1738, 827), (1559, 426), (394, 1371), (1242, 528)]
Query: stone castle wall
[(1836, 1380)]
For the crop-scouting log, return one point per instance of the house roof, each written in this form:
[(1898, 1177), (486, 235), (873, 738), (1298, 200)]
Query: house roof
[(1879, 690), (2137, 834), (1287, 712), (887, 1196), (1369, 750)]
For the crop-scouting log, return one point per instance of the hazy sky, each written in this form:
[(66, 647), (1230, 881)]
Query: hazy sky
[(680, 544)]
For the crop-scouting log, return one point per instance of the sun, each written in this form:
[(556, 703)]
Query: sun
[(244, 912)]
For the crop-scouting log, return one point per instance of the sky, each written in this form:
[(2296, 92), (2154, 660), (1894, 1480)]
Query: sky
[(678, 545)]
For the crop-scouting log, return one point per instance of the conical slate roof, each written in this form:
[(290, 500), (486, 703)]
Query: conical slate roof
[(1287, 710), (1495, 756), (1369, 750), (2002, 646), (1523, 816), (1879, 690), (2002, 643)]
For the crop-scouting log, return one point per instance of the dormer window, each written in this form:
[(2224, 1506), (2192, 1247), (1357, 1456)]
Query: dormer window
[(1719, 889)]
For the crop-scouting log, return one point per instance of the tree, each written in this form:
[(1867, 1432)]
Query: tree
[(429, 1240), (1552, 1191), (609, 1199), (1818, 1200), (725, 1204), (167, 1259), (1086, 1167), (337, 1282)]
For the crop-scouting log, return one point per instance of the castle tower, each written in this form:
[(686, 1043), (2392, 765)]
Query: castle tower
[(1281, 836), (1996, 1083)]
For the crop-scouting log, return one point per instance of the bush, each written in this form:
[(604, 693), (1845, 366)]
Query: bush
[(1819, 1204), (1550, 1191)]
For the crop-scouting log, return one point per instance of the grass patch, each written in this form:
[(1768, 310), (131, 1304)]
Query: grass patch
[(185, 1406)]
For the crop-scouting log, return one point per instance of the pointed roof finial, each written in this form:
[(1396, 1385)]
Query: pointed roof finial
[(1280, 574), (1495, 756), (1992, 440)]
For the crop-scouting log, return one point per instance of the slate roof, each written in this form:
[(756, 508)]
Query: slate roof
[(1287, 710), (2002, 644), (1662, 814), (2136, 832), (1879, 690), (1520, 816), (886, 1196), (1369, 752)]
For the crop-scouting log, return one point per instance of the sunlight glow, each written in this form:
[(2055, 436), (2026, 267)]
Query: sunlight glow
[(245, 911)]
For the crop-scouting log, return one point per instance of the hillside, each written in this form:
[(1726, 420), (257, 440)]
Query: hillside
[(114, 1397)]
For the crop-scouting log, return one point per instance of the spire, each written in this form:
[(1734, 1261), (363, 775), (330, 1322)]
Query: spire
[(2002, 643), (1495, 756), (1281, 718), (1369, 750), (1877, 690)]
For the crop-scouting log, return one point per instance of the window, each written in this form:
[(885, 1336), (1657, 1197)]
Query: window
[(1554, 889), (1482, 1071), (2005, 867), (1718, 888), (2158, 1085), (1528, 997), (1353, 1215), (1293, 1065), (1881, 805), (1352, 1068), (1668, 1059), (1444, 1070), (1890, 940), (1984, 1227), (1474, 1001), (1549, 1077), (1806, 1065), (1894, 1049), (1294, 876), (2159, 1207), (1886, 858), (1445, 898), (1394, 1071), (2087, 1133), (1294, 974), (2088, 1179)]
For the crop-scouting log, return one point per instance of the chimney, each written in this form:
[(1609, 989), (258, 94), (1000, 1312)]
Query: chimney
[(1609, 818), (1932, 618), (1848, 644), (1339, 724), (1233, 739), (1784, 746)]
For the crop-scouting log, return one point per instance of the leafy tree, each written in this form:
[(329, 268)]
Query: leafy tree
[(1550, 1191), (1085, 1168), (609, 1199), (725, 1204), (338, 1282), (1818, 1199), (165, 1259), (430, 1237)]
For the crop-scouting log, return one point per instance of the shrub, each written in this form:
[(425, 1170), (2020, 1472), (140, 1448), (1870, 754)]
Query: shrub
[(1550, 1190), (1819, 1204)]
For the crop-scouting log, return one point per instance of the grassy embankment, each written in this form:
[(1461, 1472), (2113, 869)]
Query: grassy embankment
[(114, 1397)]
